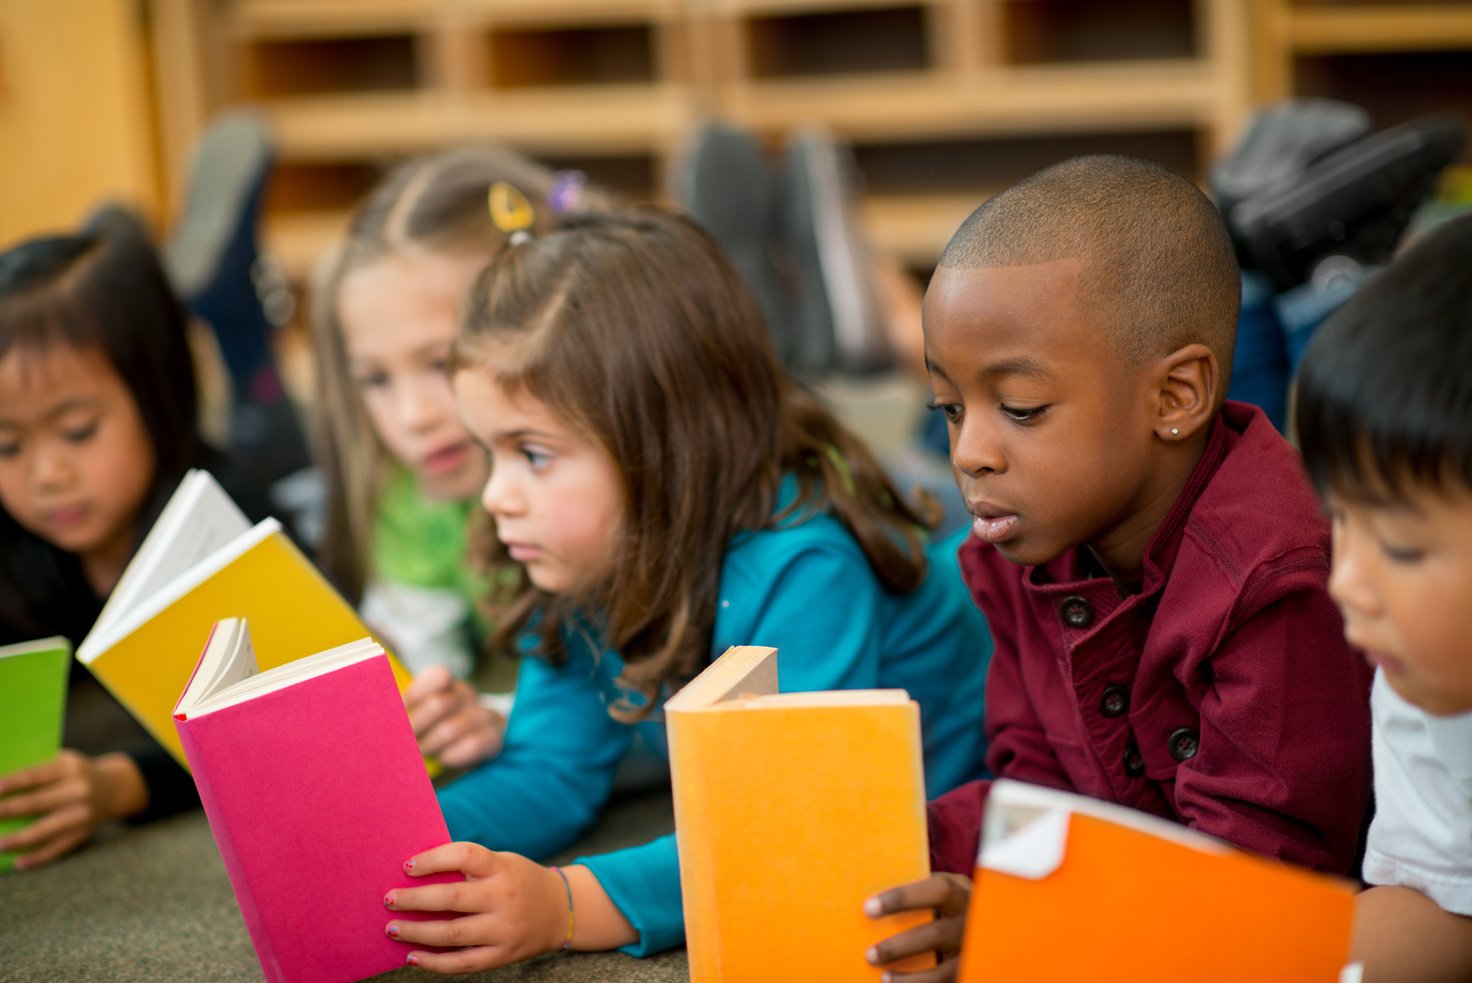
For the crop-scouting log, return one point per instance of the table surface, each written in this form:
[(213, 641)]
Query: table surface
[(153, 903)]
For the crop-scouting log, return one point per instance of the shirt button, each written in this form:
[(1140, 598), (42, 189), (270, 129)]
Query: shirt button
[(1077, 612), (1134, 763), (1184, 743), (1115, 702)]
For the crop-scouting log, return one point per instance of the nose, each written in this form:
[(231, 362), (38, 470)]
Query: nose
[(1351, 580), (422, 403), (501, 496), (975, 447), (51, 467)]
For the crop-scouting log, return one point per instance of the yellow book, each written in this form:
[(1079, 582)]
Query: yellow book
[(791, 809), (201, 562)]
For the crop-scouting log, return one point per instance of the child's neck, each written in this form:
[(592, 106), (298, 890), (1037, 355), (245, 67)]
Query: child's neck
[(1120, 555)]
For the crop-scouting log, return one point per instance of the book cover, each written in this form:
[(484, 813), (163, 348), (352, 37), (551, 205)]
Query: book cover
[(772, 792), (202, 562), (32, 704), (1069, 887), (316, 795)]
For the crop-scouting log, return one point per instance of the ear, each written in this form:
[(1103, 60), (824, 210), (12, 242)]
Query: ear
[(1188, 399)]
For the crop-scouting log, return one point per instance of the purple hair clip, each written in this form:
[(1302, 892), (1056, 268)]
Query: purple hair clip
[(567, 188)]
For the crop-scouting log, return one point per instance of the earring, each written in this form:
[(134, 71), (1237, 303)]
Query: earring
[(1175, 431)]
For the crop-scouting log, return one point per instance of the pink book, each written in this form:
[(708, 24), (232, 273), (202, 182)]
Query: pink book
[(316, 794)]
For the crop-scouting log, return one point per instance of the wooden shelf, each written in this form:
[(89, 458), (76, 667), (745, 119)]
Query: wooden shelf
[(1325, 30), (614, 85)]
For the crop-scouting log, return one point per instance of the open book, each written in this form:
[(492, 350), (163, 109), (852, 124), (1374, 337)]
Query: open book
[(792, 809), (314, 789), (1069, 887), (32, 700), (203, 561)]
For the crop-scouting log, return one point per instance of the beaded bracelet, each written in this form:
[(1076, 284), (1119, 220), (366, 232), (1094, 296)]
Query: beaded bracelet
[(567, 942)]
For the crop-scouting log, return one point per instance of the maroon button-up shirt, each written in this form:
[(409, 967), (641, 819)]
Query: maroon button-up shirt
[(1222, 695)]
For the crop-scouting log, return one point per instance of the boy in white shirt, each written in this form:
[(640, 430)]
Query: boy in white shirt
[(1384, 411)]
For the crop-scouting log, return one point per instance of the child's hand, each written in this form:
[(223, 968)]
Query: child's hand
[(945, 894), (512, 908), (450, 722), (71, 795)]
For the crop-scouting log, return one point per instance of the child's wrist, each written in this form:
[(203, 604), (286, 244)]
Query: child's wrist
[(563, 926), (118, 788)]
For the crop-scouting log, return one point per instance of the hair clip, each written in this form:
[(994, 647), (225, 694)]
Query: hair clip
[(511, 212), (567, 190)]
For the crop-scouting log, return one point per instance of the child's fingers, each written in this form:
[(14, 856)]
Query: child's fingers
[(471, 930), (57, 847), (39, 801), (942, 973), (933, 892), (460, 961), (937, 936), (48, 825), (431, 680), (471, 859), (430, 710), (42, 774), (471, 749)]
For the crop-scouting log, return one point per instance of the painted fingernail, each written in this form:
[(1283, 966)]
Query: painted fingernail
[(873, 908), (408, 865), (412, 959), (388, 900), (873, 956), (392, 930)]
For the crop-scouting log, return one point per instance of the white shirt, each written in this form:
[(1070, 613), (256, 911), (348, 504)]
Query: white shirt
[(1421, 836)]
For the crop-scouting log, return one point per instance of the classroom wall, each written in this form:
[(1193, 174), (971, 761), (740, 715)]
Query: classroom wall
[(75, 123)]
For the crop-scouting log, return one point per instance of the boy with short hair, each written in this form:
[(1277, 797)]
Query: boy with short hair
[(1385, 415), (1151, 560)]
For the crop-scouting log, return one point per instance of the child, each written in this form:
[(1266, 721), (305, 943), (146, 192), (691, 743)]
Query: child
[(660, 492), (97, 426), (1151, 561), (401, 471), (1384, 412)]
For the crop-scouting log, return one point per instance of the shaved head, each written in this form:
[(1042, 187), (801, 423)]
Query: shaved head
[(1160, 271)]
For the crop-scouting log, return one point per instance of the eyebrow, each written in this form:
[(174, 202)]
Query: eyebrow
[(1023, 365)]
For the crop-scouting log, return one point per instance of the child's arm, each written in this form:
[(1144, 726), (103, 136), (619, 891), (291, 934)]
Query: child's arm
[(1404, 936), (450, 721), (71, 795), (947, 895), (548, 784), (1282, 766), (510, 909)]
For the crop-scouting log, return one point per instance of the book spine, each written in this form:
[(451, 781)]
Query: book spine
[(250, 910)]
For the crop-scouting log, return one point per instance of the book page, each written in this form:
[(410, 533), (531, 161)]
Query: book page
[(253, 684), (199, 519)]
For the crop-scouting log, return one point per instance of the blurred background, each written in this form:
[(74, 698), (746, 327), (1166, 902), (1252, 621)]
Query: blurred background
[(941, 101)]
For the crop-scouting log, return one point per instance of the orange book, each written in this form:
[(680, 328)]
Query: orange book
[(791, 810), (1072, 888)]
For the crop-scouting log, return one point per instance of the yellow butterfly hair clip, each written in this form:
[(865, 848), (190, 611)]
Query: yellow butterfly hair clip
[(511, 212)]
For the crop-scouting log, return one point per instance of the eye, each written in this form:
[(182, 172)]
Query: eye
[(1402, 555), (372, 380), (10, 449), (80, 435), (538, 459), (952, 411), (1019, 414)]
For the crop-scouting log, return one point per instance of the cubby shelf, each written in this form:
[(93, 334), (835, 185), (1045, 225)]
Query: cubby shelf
[(357, 83)]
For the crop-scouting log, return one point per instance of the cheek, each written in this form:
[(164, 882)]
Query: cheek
[(13, 497)]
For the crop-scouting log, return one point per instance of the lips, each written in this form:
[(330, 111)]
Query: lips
[(446, 459), (65, 518), (523, 552), (992, 523)]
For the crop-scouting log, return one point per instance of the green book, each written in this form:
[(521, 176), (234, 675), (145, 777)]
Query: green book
[(32, 698)]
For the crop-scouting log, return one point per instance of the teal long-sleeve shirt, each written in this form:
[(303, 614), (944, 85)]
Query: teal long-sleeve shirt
[(804, 588)]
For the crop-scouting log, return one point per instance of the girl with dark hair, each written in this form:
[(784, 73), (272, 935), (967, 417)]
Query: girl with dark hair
[(660, 491), (98, 405)]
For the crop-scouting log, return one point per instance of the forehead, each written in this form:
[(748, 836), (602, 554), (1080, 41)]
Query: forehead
[(977, 318), (405, 299), (490, 408)]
